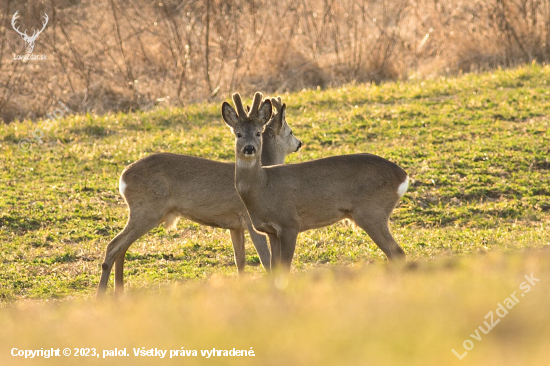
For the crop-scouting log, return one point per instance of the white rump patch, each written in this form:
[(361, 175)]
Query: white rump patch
[(121, 186), (403, 187)]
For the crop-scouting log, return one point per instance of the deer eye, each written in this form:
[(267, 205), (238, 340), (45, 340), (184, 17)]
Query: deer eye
[(291, 132), (258, 134), (239, 135)]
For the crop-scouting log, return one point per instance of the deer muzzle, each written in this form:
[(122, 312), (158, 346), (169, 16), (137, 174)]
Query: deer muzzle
[(249, 150)]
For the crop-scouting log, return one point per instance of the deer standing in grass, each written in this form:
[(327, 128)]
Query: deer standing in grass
[(162, 187), (285, 200)]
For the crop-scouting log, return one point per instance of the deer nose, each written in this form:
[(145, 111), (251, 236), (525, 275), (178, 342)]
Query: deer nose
[(299, 145), (249, 150)]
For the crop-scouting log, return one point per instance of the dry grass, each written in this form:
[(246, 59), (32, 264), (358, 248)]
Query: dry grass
[(371, 315), (120, 56)]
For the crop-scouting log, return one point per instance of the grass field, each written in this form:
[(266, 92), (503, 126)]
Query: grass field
[(477, 148)]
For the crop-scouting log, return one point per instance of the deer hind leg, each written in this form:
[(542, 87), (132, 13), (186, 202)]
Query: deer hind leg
[(135, 228), (260, 243), (119, 274), (375, 222), (237, 239)]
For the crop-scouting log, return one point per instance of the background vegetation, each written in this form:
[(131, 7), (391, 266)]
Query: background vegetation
[(134, 54)]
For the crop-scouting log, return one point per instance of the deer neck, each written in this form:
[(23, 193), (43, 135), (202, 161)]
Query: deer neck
[(271, 154), (249, 177)]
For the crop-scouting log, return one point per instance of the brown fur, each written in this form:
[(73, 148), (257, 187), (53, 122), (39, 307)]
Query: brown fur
[(285, 200), (162, 187)]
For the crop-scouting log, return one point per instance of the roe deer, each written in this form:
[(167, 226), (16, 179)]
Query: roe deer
[(285, 200), (162, 187)]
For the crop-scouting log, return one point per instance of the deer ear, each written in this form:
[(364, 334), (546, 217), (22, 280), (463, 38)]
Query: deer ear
[(265, 111), (247, 108), (229, 115), (277, 120)]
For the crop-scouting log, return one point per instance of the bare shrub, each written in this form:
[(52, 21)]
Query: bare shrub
[(504, 33), (126, 55)]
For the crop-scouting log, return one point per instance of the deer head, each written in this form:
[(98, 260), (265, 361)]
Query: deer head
[(29, 40), (247, 127)]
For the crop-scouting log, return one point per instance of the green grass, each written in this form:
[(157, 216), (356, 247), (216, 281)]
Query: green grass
[(477, 149), (475, 220)]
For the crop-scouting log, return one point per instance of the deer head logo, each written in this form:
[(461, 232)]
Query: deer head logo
[(29, 40)]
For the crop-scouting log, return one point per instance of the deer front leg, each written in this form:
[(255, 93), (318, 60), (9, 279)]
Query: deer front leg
[(237, 238), (288, 245), (260, 243), (275, 244)]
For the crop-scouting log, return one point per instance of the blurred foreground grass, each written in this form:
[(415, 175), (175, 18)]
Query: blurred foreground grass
[(363, 315)]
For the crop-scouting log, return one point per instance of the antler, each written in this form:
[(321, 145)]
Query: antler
[(277, 103), (252, 112), (255, 104), (13, 19), (239, 104)]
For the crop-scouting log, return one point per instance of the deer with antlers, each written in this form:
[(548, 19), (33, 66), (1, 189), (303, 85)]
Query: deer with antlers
[(29, 40), (285, 200), (162, 187)]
